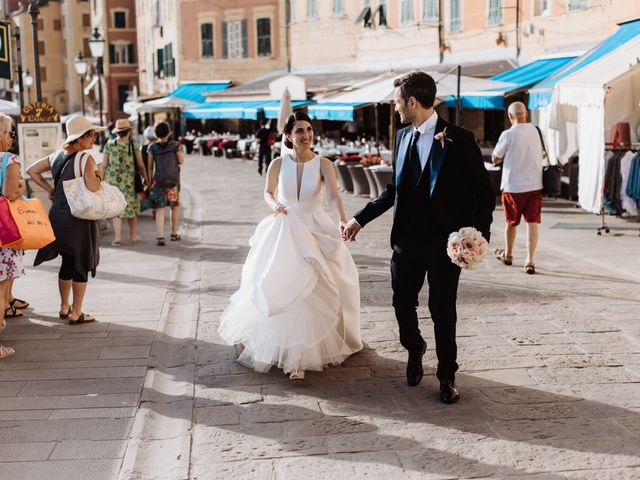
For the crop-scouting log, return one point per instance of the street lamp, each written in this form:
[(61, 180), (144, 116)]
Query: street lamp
[(34, 11), (96, 44), (80, 64), (27, 79)]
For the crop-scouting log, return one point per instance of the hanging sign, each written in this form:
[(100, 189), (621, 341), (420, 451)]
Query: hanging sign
[(5, 51), (39, 132)]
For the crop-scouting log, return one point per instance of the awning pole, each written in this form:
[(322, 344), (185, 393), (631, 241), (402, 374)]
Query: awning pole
[(376, 106), (458, 100)]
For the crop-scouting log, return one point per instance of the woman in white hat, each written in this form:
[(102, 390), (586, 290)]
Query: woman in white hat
[(121, 158), (76, 239)]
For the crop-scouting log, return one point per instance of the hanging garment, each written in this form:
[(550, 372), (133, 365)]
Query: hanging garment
[(612, 185), (633, 182), (628, 204)]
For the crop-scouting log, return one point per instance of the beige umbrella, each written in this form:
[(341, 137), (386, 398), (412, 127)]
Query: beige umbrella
[(285, 109)]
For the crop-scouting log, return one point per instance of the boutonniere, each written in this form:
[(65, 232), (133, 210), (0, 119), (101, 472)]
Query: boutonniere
[(442, 137)]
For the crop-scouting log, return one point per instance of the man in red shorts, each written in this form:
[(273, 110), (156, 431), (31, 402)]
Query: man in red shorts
[(519, 149)]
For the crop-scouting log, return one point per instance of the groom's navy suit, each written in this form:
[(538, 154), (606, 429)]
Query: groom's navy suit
[(452, 191)]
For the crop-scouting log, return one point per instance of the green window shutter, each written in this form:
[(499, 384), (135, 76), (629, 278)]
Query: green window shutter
[(225, 41), (245, 41)]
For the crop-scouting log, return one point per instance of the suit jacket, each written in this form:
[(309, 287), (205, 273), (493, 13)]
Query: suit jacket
[(460, 189)]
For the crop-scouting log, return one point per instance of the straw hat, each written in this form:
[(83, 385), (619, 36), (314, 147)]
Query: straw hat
[(77, 126), (122, 124)]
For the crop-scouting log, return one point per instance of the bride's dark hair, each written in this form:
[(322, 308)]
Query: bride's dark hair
[(291, 121)]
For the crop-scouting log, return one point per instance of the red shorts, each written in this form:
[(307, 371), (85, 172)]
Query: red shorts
[(518, 204)]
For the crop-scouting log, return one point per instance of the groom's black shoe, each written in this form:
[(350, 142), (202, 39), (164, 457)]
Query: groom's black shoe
[(414, 366), (449, 393)]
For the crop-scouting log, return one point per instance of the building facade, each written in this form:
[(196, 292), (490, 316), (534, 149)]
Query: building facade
[(205, 40), (420, 33), (116, 21), (63, 31)]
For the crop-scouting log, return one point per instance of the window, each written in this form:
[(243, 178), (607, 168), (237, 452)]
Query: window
[(234, 39), (158, 13), (160, 62), (123, 94), (169, 67), (57, 24), (541, 7), (206, 40), (406, 12), (494, 16), (312, 10), (578, 5), (292, 11), (86, 20), (456, 20), (120, 19), (120, 53), (40, 24), (430, 12), (338, 7), (43, 74), (86, 50), (41, 47), (264, 37)]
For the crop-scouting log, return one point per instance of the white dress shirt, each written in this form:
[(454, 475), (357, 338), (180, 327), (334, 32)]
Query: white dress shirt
[(427, 131)]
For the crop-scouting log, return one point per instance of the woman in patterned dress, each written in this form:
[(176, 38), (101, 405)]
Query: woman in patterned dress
[(121, 159), (13, 187)]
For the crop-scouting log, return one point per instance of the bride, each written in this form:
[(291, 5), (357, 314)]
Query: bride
[(298, 306)]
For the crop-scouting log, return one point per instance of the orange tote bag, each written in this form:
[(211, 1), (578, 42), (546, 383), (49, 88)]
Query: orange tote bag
[(33, 224)]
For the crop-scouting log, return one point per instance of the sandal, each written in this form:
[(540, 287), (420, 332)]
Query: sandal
[(530, 269), (83, 318), (64, 316), (23, 303), (175, 237), (6, 352), (12, 312), (502, 256), (116, 244), (160, 241)]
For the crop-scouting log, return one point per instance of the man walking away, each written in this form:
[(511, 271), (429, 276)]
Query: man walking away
[(264, 149), (520, 149)]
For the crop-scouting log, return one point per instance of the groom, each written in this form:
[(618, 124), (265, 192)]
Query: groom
[(439, 185)]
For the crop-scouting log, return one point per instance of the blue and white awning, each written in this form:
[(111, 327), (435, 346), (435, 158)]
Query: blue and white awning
[(185, 96), (519, 78), (248, 110), (334, 110), (541, 94)]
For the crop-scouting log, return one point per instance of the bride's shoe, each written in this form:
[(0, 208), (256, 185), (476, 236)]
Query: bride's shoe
[(238, 348), (296, 375)]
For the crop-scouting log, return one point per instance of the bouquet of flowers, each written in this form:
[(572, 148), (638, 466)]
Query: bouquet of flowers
[(467, 247)]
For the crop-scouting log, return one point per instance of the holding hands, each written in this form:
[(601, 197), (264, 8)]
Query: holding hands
[(350, 230)]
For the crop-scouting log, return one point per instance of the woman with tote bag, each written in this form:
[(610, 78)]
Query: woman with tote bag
[(76, 238)]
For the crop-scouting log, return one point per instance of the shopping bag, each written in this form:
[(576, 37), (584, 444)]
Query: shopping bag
[(107, 202), (9, 231), (32, 222)]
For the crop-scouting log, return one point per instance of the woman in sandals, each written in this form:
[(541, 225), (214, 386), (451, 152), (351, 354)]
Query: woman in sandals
[(164, 159), (121, 159), (76, 239), (13, 187)]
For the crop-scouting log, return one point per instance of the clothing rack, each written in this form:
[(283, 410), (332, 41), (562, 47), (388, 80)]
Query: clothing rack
[(616, 148)]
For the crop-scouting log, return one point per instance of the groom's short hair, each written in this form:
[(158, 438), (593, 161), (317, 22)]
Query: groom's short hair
[(418, 85)]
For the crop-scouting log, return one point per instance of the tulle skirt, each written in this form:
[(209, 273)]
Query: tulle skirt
[(298, 305)]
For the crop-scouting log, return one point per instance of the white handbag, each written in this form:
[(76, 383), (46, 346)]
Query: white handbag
[(107, 202)]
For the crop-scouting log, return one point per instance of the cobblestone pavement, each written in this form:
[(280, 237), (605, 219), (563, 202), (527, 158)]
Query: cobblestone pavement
[(550, 364)]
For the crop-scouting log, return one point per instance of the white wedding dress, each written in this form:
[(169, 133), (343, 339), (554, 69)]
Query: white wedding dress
[(298, 305)]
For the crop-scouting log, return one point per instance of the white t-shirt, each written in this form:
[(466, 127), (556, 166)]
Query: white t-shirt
[(521, 152)]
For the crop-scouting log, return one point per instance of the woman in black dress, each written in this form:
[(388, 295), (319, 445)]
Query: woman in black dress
[(76, 239)]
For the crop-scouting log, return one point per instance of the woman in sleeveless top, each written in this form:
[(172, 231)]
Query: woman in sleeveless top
[(76, 239), (298, 306), (12, 188)]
